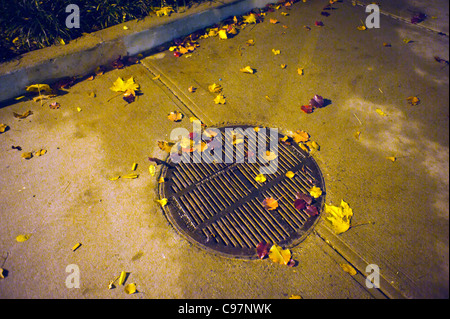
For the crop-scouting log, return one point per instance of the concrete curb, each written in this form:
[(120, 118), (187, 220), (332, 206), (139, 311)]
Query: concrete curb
[(83, 55)]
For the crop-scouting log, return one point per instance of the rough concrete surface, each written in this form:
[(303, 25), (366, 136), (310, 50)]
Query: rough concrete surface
[(65, 196)]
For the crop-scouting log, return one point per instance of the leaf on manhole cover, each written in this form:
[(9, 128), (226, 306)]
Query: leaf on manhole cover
[(270, 203), (162, 202), (262, 249), (315, 192), (260, 178)]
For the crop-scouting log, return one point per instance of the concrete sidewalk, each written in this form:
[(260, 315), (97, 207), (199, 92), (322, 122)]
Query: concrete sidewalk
[(66, 196)]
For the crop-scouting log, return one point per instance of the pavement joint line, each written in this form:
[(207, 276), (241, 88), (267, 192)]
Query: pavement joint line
[(404, 20), (386, 290), (177, 93)]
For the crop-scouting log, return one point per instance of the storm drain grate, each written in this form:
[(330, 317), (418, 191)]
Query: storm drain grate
[(218, 205)]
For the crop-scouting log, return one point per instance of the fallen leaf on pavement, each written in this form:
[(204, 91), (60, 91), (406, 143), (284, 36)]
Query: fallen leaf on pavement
[(247, 69), (215, 88), (130, 288), (276, 52), (223, 34), (273, 21), (250, 42), (361, 28), (220, 99), (348, 269), (152, 170), (165, 146), (122, 86), (300, 136), (391, 158), (175, 116), (40, 152), (279, 255), (22, 238), (251, 18), (339, 217), (413, 100), (307, 109), (27, 155), (23, 115), (3, 127), (300, 71)]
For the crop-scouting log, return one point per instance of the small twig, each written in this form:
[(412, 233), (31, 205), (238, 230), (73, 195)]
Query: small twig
[(357, 119), (361, 224), (114, 96)]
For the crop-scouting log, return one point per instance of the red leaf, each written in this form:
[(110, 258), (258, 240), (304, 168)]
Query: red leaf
[(319, 23), (262, 249), (312, 210), (299, 204), (307, 198), (307, 108)]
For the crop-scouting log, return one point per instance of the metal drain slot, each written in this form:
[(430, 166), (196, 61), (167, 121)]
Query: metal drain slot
[(217, 206)]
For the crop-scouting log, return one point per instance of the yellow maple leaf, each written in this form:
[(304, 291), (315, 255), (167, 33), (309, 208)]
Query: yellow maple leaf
[(247, 69), (290, 174), (164, 11), (130, 288), (215, 88), (220, 99), (279, 255), (260, 178), (123, 86), (315, 192), (300, 136), (276, 52), (162, 202), (339, 217), (223, 34), (175, 116), (23, 237), (3, 127), (251, 18), (361, 28)]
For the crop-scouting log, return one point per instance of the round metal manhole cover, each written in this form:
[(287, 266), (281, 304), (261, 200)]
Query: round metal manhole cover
[(216, 200)]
